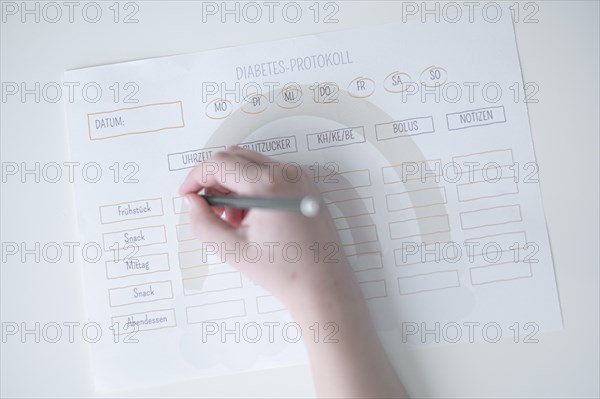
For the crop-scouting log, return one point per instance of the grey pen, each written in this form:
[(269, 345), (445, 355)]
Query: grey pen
[(308, 205)]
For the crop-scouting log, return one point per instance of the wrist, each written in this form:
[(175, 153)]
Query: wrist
[(330, 294)]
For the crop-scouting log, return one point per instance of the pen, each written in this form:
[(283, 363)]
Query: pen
[(308, 206)]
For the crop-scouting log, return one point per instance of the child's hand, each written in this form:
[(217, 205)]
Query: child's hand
[(306, 268), (299, 258)]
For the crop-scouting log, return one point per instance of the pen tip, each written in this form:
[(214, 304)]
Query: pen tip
[(309, 206)]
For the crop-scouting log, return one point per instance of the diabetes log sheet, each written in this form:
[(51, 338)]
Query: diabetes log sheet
[(418, 137)]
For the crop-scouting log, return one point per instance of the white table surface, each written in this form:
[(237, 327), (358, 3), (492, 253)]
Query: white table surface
[(559, 53)]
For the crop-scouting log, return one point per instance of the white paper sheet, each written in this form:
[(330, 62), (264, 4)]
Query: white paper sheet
[(434, 190)]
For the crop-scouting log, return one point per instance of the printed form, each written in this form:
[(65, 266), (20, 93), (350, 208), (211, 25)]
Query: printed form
[(418, 136)]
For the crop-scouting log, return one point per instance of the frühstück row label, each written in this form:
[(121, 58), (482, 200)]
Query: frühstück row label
[(131, 210)]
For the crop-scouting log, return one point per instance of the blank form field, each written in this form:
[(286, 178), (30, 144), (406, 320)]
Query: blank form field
[(490, 217), (197, 257), (179, 205), (493, 243), (486, 189), (344, 180), (216, 311), (479, 160), (268, 304), (366, 261), (351, 207), (185, 232), (373, 289), (416, 198), (425, 171), (500, 272), (212, 283), (428, 282), (419, 227), (358, 235)]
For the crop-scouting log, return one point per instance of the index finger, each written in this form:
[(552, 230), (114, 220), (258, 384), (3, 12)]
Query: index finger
[(223, 171)]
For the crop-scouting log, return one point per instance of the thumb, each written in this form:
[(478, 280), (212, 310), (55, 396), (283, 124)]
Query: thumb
[(206, 225)]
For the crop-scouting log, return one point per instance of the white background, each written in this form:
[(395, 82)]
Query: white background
[(559, 53)]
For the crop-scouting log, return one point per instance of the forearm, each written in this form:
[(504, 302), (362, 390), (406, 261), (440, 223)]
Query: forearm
[(351, 362)]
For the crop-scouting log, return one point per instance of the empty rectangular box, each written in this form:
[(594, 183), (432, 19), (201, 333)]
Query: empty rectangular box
[(416, 198), (216, 311), (419, 227), (486, 189), (351, 207), (343, 180), (479, 160), (428, 282), (212, 283), (504, 241), (366, 261), (358, 235), (373, 289), (268, 304), (195, 258), (184, 232), (426, 171), (490, 217), (500, 272)]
